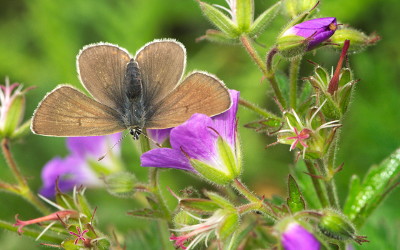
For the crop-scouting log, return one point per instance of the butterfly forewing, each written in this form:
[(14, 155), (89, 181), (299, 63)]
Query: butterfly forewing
[(102, 68), (198, 93), (67, 112), (161, 66)]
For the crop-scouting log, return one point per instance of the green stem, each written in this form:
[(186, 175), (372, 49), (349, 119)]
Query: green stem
[(32, 233), (317, 184), (269, 74), (23, 187), (257, 109), (329, 184), (153, 179), (256, 203), (293, 73)]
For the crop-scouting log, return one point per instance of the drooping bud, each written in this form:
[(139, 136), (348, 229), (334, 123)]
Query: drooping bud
[(337, 226), (12, 110), (305, 36), (120, 184)]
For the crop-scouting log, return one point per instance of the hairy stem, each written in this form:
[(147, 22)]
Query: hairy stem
[(23, 188), (256, 203), (317, 184), (293, 73), (268, 74), (153, 180), (258, 110), (329, 184)]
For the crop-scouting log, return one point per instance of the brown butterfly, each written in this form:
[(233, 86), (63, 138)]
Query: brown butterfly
[(145, 91)]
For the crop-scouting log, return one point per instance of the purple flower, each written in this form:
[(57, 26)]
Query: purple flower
[(315, 31), (75, 170), (204, 145), (296, 237), (159, 135)]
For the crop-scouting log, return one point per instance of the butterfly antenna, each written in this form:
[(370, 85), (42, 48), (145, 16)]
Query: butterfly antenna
[(102, 157), (156, 143)]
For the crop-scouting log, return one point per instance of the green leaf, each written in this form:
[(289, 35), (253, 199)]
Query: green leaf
[(263, 20), (221, 201), (364, 198), (295, 200), (199, 205), (219, 19), (146, 213)]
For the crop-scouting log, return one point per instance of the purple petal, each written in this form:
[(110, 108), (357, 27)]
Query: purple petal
[(92, 146), (71, 171), (225, 123), (165, 158), (318, 30), (159, 135), (195, 137), (297, 238)]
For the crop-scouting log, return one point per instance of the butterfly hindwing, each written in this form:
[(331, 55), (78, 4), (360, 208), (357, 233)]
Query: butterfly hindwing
[(67, 112)]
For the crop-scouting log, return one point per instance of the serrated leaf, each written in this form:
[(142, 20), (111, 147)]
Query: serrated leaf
[(295, 200), (199, 205), (364, 198)]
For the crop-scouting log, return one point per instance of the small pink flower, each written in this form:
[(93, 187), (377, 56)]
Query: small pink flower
[(79, 236), (299, 138)]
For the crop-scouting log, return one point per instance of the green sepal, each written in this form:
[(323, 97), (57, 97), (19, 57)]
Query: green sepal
[(238, 237), (65, 201), (358, 40), (211, 173), (83, 205), (295, 200), (22, 130), (219, 19), (228, 157), (345, 96), (218, 37), (323, 76), (219, 200), (228, 226), (291, 45), (14, 115), (331, 110), (364, 198), (199, 205), (263, 20), (244, 14)]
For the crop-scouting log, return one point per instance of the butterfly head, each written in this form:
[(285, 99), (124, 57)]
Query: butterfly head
[(135, 132)]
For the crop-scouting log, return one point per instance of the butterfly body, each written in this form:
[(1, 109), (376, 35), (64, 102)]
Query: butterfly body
[(145, 91)]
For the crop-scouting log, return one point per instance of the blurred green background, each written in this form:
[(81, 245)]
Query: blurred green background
[(39, 40)]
